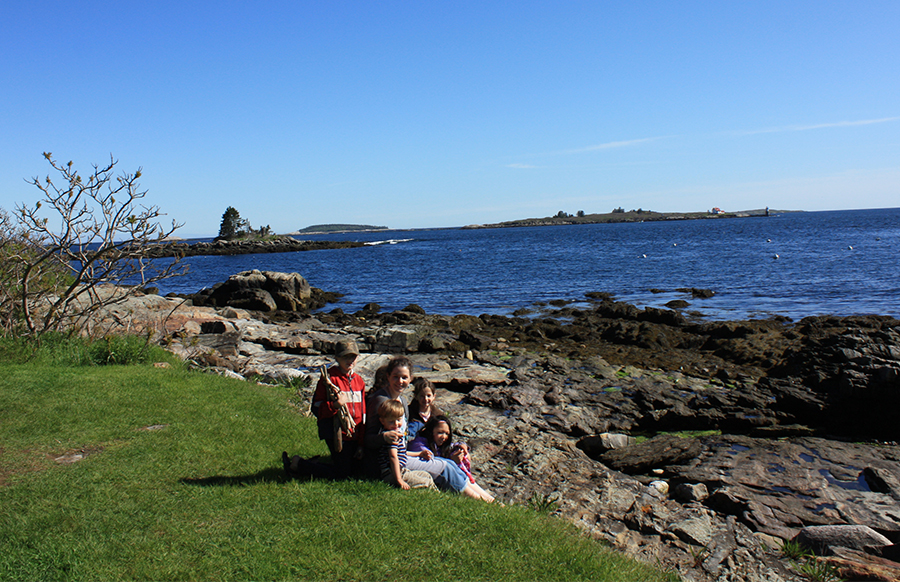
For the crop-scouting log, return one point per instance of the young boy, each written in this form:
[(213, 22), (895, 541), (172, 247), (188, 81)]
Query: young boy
[(345, 455), (393, 454)]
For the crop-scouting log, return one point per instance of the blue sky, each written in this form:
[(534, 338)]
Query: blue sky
[(429, 114)]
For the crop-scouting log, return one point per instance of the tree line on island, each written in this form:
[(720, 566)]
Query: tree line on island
[(233, 226), (580, 213), (619, 215)]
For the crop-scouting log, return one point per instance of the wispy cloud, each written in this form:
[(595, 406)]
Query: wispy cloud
[(602, 146), (818, 126), (593, 148)]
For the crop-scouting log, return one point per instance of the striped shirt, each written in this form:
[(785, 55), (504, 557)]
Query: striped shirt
[(387, 469)]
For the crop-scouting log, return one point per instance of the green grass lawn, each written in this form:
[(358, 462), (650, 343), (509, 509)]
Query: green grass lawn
[(201, 496)]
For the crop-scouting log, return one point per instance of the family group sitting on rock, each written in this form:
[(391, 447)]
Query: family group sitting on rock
[(378, 435)]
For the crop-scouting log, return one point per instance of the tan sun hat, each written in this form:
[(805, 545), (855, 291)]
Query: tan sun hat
[(346, 347)]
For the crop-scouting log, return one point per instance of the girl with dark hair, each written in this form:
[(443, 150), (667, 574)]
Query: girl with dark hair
[(422, 407), (437, 436)]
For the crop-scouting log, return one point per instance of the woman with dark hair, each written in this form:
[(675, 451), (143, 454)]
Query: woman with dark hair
[(392, 379)]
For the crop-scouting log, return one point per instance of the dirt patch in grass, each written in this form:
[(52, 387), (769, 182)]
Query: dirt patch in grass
[(75, 455), (25, 462)]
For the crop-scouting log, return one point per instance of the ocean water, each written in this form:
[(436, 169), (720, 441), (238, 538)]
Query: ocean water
[(792, 264)]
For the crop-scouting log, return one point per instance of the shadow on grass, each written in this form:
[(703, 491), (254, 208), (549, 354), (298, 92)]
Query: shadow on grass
[(270, 475)]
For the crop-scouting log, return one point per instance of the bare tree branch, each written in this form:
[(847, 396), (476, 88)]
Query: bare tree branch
[(51, 272)]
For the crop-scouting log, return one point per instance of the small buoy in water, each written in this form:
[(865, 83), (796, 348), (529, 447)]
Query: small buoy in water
[(776, 256), (674, 244), (643, 256), (850, 248), (768, 240)]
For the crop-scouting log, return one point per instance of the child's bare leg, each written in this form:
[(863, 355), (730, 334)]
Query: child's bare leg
[(470, 491), (475, 492), (482, 493)]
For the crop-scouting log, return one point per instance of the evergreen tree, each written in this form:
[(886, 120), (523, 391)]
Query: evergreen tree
[(231, 223)]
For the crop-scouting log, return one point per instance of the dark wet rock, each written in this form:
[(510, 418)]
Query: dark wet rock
[(666, 317), (599, 295), (698, 293), (475, 341), (690, 492), (854, 365), (891, 552), (369, 309), (435, 343), (258, 291)]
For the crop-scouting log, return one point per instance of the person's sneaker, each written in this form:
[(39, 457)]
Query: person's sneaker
[(286, 461), (297, 467)]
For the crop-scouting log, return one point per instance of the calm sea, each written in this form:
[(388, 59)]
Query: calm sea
[(792, 264)]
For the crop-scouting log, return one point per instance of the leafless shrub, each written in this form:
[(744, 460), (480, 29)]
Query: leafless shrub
[(60, 255)]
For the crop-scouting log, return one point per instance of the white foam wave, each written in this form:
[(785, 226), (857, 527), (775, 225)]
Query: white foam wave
[(391, 241)]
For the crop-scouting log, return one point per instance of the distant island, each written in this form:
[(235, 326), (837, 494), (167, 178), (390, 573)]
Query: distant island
[(331, 228), (620, 215)]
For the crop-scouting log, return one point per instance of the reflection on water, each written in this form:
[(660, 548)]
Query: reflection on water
[(859, 484)]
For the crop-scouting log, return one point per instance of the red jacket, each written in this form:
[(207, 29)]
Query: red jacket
[(355, 388)]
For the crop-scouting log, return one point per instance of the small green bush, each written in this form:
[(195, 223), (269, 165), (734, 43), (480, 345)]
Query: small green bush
[(119, 350), (794, 551), (818, 571), (543, 503)]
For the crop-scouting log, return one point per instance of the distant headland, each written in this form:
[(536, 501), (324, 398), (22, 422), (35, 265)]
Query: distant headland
[(621, 215), (334, 228)]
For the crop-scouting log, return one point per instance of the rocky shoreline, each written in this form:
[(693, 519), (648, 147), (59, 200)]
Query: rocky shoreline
[(586, 412), (282, 244)]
